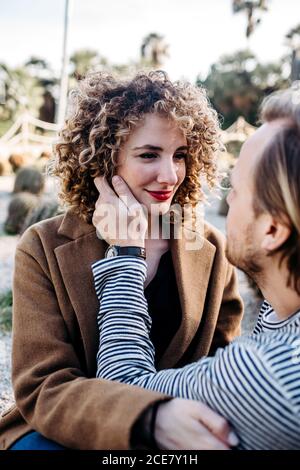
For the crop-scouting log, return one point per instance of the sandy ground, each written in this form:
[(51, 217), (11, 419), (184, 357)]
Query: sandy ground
[(7, 249)]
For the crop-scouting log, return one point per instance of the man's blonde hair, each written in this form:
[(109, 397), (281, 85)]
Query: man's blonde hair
[(282, 104), (277, 175)]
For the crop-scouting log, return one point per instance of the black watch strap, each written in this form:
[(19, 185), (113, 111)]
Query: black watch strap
[(114, 250)]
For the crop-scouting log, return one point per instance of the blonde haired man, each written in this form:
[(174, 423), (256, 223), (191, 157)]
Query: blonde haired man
[(255, 381)]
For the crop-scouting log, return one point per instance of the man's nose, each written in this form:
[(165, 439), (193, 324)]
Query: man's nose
[(168, 173)]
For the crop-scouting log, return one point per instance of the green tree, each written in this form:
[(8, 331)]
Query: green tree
[(154, 50), (85, 60), (238, 82), (40, 69), (30, 88), (23, 92)]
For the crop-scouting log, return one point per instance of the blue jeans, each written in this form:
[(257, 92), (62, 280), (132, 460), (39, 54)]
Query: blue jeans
[(35, 441)]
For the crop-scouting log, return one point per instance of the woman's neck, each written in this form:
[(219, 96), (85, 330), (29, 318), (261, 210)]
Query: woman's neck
[(154, 239), (156, 230)]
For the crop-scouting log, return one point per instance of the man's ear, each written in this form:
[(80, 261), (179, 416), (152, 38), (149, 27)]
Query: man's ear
[(276, 234)]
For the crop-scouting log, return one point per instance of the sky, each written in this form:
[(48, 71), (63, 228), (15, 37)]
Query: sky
[(198, 31)]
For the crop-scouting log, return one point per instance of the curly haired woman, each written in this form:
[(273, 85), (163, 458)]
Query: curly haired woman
[(162, 138)]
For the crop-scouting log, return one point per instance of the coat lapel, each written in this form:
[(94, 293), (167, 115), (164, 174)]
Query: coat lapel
[(74, 259), (192, 270)]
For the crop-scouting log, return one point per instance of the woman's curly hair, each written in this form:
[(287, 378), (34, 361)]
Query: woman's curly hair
[(103, 112)]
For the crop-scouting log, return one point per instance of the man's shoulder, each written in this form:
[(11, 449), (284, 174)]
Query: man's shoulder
[(268, 345)]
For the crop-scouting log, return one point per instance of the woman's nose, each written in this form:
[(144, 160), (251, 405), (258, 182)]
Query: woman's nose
[(168, 173)]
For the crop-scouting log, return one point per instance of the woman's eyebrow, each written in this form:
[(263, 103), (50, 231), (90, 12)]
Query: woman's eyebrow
[(148, 147), (155, 148)]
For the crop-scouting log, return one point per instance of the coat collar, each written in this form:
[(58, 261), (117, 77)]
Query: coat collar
[(192, 270), (73, 227)]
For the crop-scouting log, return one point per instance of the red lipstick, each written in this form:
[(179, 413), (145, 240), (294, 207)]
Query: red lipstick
[(160, 195)]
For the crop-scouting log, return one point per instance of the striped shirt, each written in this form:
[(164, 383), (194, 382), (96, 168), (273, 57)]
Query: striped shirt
[(254, 382)]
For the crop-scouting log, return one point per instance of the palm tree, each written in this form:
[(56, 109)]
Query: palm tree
[(249, 7), (154, 50), (40, 69), (237, 83), (84, 60), (23, 92)]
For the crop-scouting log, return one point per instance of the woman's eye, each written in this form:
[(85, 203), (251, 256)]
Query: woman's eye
[(180, 156), (148, 156)]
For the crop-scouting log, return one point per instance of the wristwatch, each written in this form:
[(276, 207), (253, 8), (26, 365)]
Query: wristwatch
[(114, 250)]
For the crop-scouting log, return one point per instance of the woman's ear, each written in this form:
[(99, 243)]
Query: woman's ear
[(276, 234)]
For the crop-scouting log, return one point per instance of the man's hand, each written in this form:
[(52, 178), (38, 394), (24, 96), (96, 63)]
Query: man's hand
[(118, 217), (191, 425)]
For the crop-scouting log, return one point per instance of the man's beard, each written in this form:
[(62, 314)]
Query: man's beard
[(245, 256)]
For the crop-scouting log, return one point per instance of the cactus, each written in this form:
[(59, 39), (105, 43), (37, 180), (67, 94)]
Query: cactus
[(43, 161), (16, 161), (19, 207), (45, 155), (29, 179)]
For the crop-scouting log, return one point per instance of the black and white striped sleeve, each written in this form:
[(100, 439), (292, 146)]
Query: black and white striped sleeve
[(239, 382)]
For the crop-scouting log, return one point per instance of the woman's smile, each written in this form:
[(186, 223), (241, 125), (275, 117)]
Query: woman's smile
[(153, 162), (160, 195)]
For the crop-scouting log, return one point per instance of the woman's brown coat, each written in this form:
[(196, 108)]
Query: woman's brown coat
[(55, 333)]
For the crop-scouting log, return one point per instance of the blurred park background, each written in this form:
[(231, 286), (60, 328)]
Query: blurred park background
[(239, 50)]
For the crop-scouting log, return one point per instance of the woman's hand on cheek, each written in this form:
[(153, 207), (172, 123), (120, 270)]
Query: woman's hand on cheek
[(119, 219)]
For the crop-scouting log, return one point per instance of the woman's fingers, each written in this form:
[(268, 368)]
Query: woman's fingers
[(103, 187), (122, 192), (205, 440), (179, 425), (118, 216), (217, 424), (125, 194)]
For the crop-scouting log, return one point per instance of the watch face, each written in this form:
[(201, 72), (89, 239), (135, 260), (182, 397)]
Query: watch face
[(111, 252)]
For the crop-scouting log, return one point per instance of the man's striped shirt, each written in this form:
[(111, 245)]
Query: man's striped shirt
[(254, 382)]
